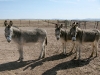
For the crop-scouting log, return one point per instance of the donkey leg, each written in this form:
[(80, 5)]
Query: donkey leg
[(96, 48), (64, 48), (76, 51), (44, 52), (79, 52), (20, 53), (42, 55), (93, 45), (72, 48)]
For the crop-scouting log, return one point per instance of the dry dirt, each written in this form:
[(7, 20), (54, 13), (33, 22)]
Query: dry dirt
[(55, 63)]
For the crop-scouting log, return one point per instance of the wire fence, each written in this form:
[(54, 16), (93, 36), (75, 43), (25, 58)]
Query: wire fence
[(50, 23)]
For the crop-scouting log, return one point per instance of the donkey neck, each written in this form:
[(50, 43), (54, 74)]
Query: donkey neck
[(65, 34), (79, 35), (16, 32), (79, 29)]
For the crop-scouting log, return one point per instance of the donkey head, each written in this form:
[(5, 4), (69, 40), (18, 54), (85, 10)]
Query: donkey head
[(58, 30), (8, 31), (73, 31)]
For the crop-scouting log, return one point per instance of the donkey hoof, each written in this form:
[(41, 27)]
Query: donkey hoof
[(40, 57), (20, 59), (70, 52), (96, 55), (90, 56), (63, 53), (43, 57), (74, 57)]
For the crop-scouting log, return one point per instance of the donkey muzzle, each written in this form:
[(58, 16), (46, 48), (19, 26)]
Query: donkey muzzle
[(9, 39), (73, 38), (58, 37)]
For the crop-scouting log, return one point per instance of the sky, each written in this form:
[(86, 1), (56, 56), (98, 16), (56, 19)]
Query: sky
[(49, 9)]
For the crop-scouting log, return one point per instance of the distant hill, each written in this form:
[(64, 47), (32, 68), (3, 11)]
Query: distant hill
[(88, 19)]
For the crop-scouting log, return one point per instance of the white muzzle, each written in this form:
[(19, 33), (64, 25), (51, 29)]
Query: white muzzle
[(8, 38), (73, 38)]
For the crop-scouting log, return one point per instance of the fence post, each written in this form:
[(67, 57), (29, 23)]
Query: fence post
[(97, 24), (79, 23), (85, 24), (66, 23), (57, 21), (29, 22), (48, 22), (38, 22), (20, 22)]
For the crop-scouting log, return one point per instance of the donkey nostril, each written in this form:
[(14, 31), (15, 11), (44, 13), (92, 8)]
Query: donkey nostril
[(57, 38), (9, 41)]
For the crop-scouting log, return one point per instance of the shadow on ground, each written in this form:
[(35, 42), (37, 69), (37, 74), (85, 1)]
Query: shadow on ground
[(34, 63), (67, 65), (30, 63)]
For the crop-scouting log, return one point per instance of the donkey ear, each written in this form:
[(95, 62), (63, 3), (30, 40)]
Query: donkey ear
[(76, 24), (10, 23), (56, 25), (61, 25), (73, 24), (5, 23)]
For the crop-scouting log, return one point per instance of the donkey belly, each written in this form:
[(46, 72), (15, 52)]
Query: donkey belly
[(89, 38), (30, 39)]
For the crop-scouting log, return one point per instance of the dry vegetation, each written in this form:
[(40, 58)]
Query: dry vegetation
[(54, 63)]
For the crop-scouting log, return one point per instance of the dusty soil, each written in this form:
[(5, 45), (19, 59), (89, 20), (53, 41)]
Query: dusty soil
[(55, 63)]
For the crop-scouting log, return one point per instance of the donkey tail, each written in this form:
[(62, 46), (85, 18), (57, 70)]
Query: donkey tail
[(46, 40)]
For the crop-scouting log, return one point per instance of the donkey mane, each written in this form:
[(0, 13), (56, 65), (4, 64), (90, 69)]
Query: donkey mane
[(17, 31)]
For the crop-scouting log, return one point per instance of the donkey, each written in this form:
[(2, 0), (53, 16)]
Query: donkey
[(84, 36), (22, 37), (64, 36)]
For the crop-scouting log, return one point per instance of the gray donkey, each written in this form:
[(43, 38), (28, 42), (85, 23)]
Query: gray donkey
[(22, 37), (84, 36), (64, 36)]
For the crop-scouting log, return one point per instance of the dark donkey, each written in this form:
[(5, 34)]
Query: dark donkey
[(84, 36), (64, 36), (22, 37)]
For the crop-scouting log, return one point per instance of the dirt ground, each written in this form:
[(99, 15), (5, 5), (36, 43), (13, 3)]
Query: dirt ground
[(55, 63)]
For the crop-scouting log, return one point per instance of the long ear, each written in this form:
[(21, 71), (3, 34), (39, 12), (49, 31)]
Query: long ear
[(76, 24), (73, 24), (10, 23), (56, 25), (61, 25), (5, 23)]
